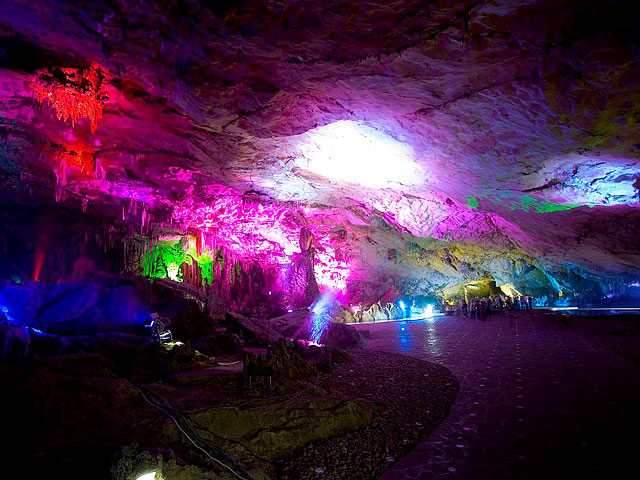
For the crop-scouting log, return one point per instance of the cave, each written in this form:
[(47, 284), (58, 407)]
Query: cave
[(319, 240)]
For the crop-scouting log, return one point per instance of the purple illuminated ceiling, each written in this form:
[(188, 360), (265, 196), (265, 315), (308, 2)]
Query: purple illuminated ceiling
[(429, 142)]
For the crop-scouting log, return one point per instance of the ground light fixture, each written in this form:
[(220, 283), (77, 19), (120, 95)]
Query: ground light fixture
[(147, 476)]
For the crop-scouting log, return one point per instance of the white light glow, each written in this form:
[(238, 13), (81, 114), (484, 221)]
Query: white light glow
[(352, 152), (172, 272), (147, 476)]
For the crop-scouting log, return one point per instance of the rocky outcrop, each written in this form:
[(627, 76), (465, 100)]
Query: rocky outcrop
[(297, 325), (276, 432), (255, 331), (377, 311), (219, 344)]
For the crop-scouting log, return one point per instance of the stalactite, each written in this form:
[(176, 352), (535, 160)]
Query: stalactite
[(73, 93)]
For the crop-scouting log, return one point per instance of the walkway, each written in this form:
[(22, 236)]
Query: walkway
[(535, 401)]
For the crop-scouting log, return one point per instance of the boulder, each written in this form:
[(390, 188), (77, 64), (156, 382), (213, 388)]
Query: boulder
[(297, 325), (255, 331), (182, 357), (277, 431), (216, 307), (292, 325), (287, 361), (164, 288), (188, 321), (219, 344), (341, 335)]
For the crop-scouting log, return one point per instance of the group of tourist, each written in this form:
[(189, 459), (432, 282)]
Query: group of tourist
[(481, 308)]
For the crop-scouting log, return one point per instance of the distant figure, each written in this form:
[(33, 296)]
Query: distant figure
[(483, 310), (465, 307), (488, 310)]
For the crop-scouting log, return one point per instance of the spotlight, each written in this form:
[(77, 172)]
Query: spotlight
[(354, 152), (147, 476), (172, 272)]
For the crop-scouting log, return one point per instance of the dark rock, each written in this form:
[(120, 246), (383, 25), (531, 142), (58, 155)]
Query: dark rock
[(318, 357), (292, 325), (256, 332), (128, 338), (14, 343), (220, 343), (79, 365), (338, 356), (149, 363), (296, 325), (340, 335), (287, 361), (188, 321), (126, 358), (45, 345), (216, 307), (165, 289), (275, 432)]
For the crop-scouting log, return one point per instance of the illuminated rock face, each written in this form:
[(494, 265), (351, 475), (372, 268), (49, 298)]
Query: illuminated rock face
[(422, 145)]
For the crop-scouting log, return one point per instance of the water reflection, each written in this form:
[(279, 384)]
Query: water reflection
[(405, 337), (431, 343), (419, 336)]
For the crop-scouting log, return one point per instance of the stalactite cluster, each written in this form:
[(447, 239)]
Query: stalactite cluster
[(74, 93)]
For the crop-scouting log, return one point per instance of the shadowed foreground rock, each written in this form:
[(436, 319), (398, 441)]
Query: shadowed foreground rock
[(72, 416)]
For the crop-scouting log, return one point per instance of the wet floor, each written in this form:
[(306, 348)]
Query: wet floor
[(535, 400)]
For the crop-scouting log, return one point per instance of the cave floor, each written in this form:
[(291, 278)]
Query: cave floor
[(536, 400)]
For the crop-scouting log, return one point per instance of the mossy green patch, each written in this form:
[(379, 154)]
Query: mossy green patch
[(472, 202), (528, 202), (166, 258)]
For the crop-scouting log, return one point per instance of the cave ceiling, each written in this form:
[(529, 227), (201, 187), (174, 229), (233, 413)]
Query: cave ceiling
[(465, 138)]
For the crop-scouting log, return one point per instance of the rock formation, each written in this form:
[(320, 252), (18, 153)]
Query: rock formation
[(422, 145)]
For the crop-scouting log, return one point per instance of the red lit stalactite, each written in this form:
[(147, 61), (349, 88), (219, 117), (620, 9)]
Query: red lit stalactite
[(74, 93)]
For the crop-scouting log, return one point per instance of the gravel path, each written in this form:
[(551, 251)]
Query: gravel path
[(412, 397)]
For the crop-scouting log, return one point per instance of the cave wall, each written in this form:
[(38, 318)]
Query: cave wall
[(52, 243)]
